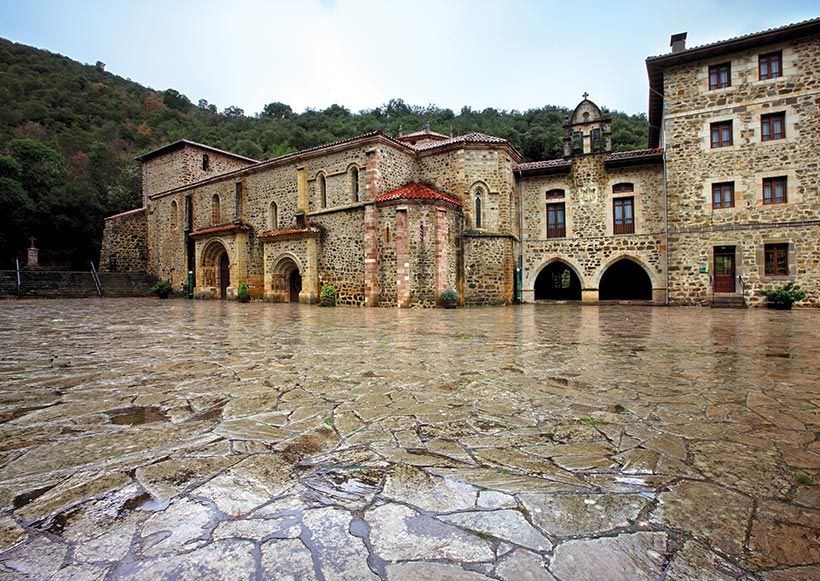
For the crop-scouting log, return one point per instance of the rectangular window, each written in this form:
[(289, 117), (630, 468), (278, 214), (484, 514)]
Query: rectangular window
[(770, 65), (776, 259), (774, 190), (721, 134), (206, 162), (772, 126), (623, 215), (720, 76), (723, 195), (556, 221)]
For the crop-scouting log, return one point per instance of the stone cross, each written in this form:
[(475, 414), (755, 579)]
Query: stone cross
[(585, 95), (32, 241)]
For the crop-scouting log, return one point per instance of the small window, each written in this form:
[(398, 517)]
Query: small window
[(322, 191), (556, 221), (555, 193), (720, 76), (772, 126), (721, 134), (770, 65), (776, 259), (597, 139), (577, 142), (206, 162), (215, 210), (174, 215), (273, 216), (623, 188), (478, 210), (623, 215), (723, 195), (354, 184), (774, 190)]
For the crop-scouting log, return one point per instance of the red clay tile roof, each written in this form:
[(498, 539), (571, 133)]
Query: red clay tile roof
[(287, 233), (423, 133), (123, 214), (467, 138), (549, 163), (220, 229), (417, 191)]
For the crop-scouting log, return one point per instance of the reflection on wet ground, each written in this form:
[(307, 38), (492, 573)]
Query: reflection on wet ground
[(147, 439)]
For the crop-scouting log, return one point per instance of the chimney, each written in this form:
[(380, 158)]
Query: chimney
[(678, 42)]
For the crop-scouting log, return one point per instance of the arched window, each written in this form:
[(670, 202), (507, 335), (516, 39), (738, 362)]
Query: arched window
[(322, 186), (478, 209), (555, 193), (623, 187), (273, 216), (174, 215), (215, 210), (354, 184)]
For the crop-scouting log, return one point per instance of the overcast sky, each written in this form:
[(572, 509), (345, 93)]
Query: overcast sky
[(507, 54)]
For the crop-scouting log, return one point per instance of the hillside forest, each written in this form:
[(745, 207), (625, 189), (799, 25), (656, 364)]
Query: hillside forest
[(69, 133)]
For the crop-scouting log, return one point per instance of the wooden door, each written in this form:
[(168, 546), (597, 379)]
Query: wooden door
[(724, 269), (224, 275), (295, 284)]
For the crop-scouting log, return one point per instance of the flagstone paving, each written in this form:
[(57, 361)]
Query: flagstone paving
[(145, 439)]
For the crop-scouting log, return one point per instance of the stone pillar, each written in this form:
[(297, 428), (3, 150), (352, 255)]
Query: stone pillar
[(441, 252), (302, 189), (239, 264), (33, 258), (589, 295), (310, 278), (402, 259), (371, 255), (373, 178)]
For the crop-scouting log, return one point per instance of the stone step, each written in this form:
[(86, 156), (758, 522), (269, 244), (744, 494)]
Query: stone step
[(728, 302)]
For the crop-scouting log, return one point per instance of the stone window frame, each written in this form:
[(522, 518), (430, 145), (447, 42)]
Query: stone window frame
[(479, 204), (723, 187), (717, 69), (719, 126), (321, 189), (206, 162), (174, 215), (558, 231), (273, 215), (623, 187), (789, 257), (637, 194), (769, 58), (355, 184), (216, 210), (770, 183), (627, 228), (770, 119)]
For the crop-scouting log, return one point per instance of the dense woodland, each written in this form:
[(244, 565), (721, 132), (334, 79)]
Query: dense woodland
[(69, 133)]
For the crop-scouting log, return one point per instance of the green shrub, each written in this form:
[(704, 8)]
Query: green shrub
[(785, 296), (328, 295), (448, 297), (242, 293), (162, 289)]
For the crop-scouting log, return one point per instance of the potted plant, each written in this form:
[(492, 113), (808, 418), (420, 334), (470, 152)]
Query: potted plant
[(328, 295), (449, 298), (162, 289), (242, 293), (783, 297)]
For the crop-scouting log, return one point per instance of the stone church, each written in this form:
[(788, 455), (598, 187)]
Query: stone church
[(724, 201)]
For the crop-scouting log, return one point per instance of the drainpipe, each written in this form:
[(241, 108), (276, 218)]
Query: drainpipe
[(520, 237), (665, 204)]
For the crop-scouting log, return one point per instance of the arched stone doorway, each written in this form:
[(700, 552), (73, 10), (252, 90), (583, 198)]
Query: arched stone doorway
[(286, 281), (216, 269), (557, 282), (625, 280)]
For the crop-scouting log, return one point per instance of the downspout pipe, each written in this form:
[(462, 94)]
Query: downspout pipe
[(521, 236)]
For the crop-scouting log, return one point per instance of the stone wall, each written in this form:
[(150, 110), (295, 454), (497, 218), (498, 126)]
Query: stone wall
[(125, 243), (590, 245), (489, 269), (341, 254), (693, 166)]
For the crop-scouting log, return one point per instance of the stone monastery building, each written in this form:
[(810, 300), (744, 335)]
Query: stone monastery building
[(724, 202)]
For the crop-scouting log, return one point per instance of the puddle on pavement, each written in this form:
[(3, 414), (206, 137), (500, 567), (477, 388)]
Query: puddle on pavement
[(133, 416)]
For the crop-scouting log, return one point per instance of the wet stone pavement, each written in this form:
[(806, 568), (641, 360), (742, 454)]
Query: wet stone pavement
[(147, 439)]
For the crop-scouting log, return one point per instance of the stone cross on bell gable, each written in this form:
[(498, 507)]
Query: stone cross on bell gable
[(32, 239), (585, 95)]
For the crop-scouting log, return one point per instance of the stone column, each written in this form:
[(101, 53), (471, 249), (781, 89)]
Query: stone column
[(402, 259), (589, 295), (372, 189), (239, 265), (372, 173), (441, 251), (310, 278), (302, 189)]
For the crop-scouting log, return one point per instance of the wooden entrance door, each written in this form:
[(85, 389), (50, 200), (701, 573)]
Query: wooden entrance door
[(224, 275), (724, 269), (295, 284)]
